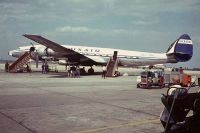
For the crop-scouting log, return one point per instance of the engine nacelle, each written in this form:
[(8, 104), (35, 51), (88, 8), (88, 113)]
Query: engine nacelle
[(62, 62), (45, 52)]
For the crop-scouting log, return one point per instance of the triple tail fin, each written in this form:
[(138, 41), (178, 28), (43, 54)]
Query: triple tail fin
[(181, 50)]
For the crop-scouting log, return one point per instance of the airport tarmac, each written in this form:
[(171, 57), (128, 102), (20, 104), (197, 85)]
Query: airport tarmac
[(53, 103)]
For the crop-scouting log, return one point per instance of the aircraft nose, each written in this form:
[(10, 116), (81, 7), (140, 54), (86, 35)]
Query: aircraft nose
[(13, 53), (10, 53), (16, 53)]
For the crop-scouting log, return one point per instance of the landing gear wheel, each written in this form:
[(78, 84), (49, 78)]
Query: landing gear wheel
[(90, 71)]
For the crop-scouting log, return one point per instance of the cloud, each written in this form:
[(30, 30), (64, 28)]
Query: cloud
[(75, 29), (145, 22), (90, 10), (87, 30), (114, 22)]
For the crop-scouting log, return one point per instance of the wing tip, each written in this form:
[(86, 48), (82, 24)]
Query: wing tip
[(30, 35)]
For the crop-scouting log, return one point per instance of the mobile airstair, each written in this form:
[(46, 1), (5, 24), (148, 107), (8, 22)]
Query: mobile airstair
[(112, 66), (20, 62)]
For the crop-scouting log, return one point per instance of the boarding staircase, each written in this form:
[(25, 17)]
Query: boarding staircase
[(21, 61), (112, 65)]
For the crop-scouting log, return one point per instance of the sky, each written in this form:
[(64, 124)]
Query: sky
[(141, 25)]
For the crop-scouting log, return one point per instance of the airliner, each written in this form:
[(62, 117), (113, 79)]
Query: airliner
[(180, 50)]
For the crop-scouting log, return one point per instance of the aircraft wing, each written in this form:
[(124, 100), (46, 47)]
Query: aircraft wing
[(58, 48), (49, 44)]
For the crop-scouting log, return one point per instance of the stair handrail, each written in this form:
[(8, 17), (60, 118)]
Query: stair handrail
[(12, 66)]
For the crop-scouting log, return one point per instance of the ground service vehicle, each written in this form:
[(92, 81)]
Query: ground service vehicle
[(150, 79)]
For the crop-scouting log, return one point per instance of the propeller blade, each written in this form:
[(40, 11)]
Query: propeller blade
[(31, 44), (46, 51)]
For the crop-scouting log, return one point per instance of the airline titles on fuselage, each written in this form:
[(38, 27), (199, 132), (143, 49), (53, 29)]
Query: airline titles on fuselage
[(85, 50)]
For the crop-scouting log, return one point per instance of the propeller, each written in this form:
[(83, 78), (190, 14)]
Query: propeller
[(46, 51), (32, 49)]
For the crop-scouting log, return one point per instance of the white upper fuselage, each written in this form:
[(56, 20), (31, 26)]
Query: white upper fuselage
[(101, 55), (179, 51)]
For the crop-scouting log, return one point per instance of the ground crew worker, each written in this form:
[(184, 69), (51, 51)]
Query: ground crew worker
[(6, 67), (68, 71), (28, 69), (104, 72), (78, 71), (43, 71)]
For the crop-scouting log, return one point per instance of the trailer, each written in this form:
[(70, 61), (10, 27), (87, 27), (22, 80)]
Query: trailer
[(185, 79), (149, 79)]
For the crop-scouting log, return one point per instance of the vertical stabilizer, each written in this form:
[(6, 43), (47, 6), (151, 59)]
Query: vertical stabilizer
[(181, 50)]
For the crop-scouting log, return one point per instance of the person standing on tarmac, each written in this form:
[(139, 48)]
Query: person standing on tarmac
[(6, 67), (42, 67), (68, 71), (73, 71), (78, 71), (104, 72)]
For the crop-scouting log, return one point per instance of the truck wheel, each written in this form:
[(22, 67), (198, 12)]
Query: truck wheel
[(162, 86), (148, 86)]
